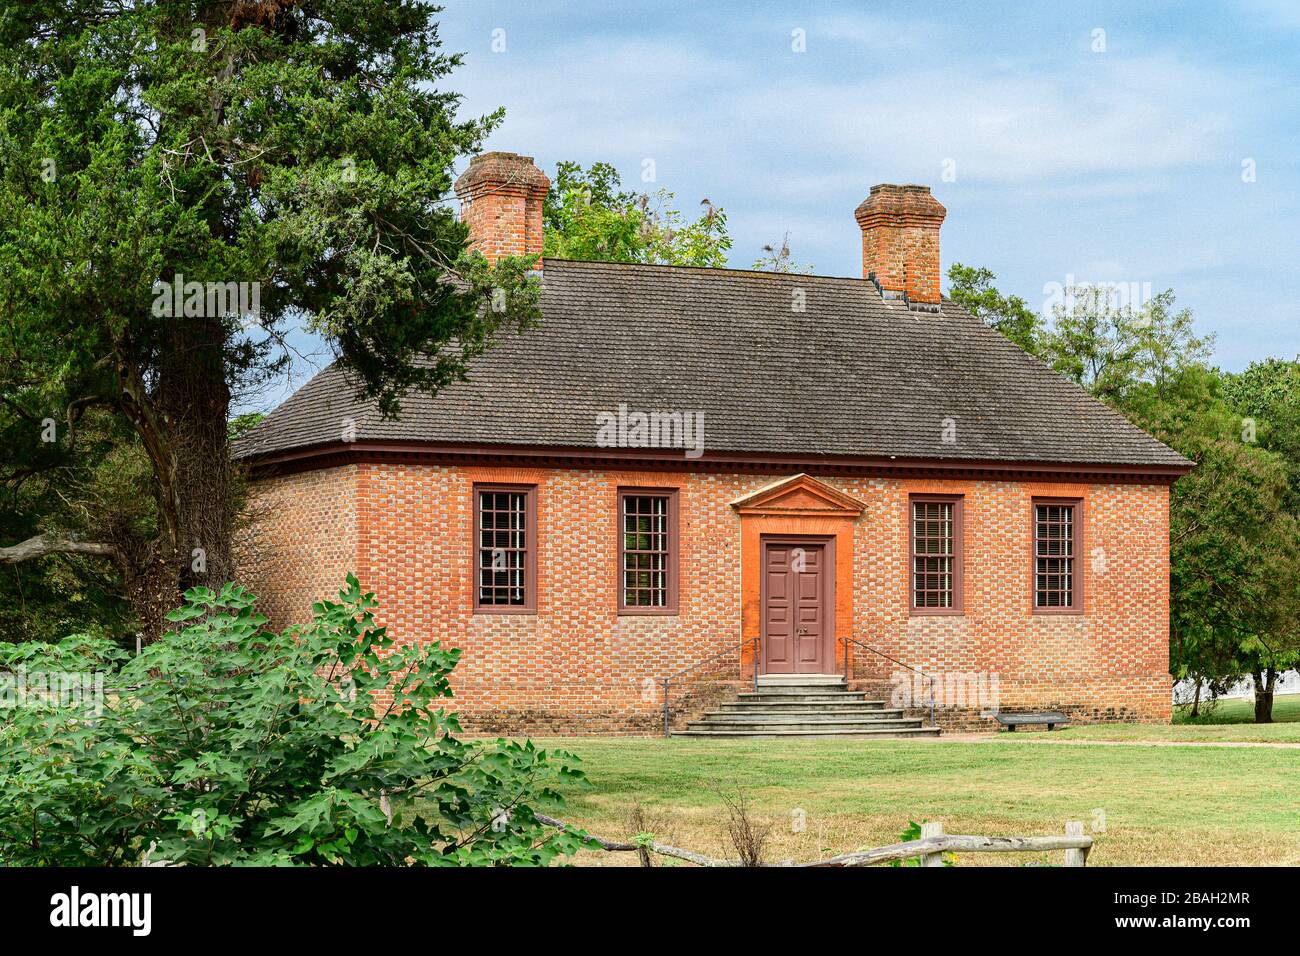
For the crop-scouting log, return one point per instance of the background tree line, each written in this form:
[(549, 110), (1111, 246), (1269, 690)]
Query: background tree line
[(1234, 536)]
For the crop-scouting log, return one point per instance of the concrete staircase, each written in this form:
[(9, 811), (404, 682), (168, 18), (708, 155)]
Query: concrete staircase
[(805, 705)]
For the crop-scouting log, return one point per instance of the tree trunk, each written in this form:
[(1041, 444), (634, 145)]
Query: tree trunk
[(1196, 699), (195, 400), (1264, 682), (182, 422), (150, 583)]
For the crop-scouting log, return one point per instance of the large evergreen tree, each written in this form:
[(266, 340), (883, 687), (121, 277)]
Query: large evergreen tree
[(291, 157)]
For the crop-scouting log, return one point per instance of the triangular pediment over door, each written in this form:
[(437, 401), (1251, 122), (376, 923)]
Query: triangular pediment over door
[(798, 495)]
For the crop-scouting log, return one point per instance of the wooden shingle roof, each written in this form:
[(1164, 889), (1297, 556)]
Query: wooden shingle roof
[(777, 364)]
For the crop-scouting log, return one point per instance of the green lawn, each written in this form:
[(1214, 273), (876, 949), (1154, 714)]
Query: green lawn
[(1231, 720), (1160, 804)]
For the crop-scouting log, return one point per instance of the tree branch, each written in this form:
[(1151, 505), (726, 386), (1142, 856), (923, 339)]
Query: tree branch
[(43, 544), (663, 849)]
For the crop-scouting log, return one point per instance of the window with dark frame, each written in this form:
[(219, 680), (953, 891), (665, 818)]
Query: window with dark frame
[(505, 545), (647, 552), (1056, 536), (936, 555)]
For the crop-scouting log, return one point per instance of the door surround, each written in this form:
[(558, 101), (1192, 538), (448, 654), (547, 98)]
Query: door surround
[(799, 506)]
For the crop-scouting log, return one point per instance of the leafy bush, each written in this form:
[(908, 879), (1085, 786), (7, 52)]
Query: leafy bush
[(226, 743)]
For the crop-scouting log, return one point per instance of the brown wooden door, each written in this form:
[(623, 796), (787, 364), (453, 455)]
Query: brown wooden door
[(796, 608)]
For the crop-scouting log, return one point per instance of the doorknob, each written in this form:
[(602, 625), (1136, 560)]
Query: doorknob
[(802, 630)]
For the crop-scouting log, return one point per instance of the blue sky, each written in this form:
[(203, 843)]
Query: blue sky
[(1124, 165)]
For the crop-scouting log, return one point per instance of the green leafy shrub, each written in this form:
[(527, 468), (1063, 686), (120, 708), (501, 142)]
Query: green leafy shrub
[(225, 743)]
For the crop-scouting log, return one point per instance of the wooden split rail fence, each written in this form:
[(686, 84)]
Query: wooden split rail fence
[(930, 848)]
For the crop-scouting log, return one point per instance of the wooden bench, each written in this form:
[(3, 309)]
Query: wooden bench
[(1050, 717)]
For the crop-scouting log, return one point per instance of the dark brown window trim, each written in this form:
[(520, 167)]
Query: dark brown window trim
[(958, 558), (673, 581), (531, 543), (1076, 577)]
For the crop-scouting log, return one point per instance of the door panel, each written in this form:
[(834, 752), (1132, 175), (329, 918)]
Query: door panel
[(778, 644), (795, 627)]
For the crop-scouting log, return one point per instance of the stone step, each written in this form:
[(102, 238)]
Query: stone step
[(758, 713), (804, 700), (826, 710), (806, 705), (885, 732), (838, 723), (776, 680), (792, 690), (830, 690)]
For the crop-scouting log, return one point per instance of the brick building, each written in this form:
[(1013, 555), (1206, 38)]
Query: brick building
[(734, 472)]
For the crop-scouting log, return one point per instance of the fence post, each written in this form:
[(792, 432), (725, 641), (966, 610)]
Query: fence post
[(928, 830), (1075, 857)]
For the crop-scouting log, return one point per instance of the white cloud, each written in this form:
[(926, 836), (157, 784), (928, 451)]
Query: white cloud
[(1124, 116), (874, 33), (689, 100)]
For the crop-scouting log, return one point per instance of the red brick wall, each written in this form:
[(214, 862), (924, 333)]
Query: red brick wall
[(301, 540), (1110, 663), (577, 666)]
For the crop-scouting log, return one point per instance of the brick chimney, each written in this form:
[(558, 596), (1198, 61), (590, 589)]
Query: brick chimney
[(900, 242), (501, 201)]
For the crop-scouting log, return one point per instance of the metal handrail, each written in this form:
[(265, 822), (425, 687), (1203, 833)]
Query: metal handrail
[(667, 681), (915, 670)]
